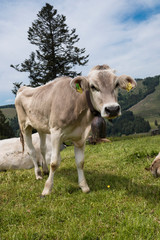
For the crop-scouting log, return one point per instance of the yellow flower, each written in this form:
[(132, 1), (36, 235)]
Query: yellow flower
[(108, 186)]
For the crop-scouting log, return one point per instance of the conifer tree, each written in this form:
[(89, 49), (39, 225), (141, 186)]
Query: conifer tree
[(56, 53), (5, 130)]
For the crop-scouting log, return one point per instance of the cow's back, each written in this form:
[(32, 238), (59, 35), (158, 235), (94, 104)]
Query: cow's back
[(50, 105)]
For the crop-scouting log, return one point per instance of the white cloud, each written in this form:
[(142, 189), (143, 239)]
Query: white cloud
[(128, 46), (131, 47)]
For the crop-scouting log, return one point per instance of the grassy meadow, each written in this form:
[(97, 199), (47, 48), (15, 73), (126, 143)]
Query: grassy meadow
[(124, 202)]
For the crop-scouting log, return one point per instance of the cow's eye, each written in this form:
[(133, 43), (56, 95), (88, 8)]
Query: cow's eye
[(94, 88)]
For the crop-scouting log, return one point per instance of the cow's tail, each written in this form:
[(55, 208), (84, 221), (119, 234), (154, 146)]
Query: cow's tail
[(22, 140)]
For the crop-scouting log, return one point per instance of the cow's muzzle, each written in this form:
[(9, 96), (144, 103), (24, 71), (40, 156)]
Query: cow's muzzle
[(112, 111)]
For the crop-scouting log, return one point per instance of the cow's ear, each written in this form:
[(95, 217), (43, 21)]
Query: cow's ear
[(126, 82), (80, 84)]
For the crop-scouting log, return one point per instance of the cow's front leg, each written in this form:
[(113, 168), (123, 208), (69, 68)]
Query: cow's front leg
[(55, 161), (79, 156)]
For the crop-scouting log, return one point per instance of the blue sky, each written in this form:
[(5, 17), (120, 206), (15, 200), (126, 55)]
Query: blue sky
[(143, 12), (123, 34)]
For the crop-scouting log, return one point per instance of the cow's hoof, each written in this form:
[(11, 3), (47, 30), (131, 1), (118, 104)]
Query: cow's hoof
[(45, 193), (84, 186), (38, 174), (39, 177), (85, 189)]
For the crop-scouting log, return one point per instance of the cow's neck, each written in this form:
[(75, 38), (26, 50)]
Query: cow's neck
[(90, 105)]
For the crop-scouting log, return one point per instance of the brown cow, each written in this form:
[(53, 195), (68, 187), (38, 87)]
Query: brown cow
[(65, 109)]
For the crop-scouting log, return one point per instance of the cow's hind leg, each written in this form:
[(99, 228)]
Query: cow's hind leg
[(32, 151), (55, 160), (79, 156), (43, 152)]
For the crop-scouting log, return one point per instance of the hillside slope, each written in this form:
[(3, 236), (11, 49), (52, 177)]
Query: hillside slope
[(9, 112), (144, 88), (149, 107)]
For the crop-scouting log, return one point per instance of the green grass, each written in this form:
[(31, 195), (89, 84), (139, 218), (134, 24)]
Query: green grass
[(129, 209)]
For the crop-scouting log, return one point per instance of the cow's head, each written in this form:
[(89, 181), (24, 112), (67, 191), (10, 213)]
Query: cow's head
[(103, 85), (155, 167)]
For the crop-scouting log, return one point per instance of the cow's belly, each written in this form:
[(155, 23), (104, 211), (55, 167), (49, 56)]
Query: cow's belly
[(72, 134), (76, 134), (39, 123)]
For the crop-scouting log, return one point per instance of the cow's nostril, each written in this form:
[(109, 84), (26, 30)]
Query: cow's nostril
[(107, 110), (117, 108), (112, 110)]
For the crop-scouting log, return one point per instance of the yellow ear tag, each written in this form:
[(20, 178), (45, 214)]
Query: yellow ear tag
[(78, 88), (129, 87)]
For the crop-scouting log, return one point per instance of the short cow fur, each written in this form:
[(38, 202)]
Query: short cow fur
[(60, 108)]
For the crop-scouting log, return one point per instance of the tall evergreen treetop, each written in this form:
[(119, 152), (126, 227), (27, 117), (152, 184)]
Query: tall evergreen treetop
[(56, 54)]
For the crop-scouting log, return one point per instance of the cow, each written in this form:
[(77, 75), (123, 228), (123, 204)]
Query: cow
[(12, 157), (65, 109), (155, 167)]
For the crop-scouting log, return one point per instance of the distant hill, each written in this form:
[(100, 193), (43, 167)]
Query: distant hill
[(144, 88), (8, 106), (149, 107), (8, 111), (144, 100)]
